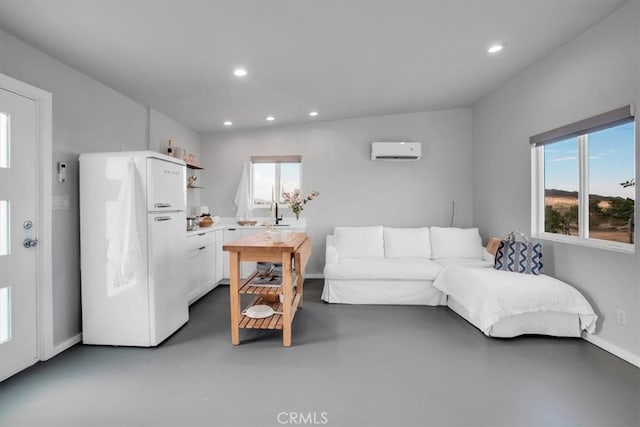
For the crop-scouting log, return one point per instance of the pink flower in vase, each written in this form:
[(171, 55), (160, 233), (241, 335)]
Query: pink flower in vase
[(296, 202)]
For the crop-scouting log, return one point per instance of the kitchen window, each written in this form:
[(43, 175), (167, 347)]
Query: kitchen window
[(583, 183), (271, 176)]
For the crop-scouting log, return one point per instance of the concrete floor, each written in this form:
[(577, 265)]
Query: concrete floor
[(348, 366)]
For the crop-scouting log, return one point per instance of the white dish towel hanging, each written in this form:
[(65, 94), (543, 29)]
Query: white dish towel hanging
[(124, 252), (242, 200)]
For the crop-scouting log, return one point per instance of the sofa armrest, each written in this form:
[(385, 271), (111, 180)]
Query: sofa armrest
[(331, 252)]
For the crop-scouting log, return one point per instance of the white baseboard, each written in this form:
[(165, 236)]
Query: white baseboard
[(66, 344), (623, 354)]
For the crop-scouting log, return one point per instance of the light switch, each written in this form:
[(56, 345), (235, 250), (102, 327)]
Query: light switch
[(62, 172)]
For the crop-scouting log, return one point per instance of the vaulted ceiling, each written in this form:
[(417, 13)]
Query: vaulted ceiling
[(341, 58)]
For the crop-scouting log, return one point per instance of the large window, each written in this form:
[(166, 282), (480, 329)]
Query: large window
[(584, 181), (271, 176)]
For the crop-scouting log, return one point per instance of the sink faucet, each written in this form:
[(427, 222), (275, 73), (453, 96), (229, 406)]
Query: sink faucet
[(278, 219)]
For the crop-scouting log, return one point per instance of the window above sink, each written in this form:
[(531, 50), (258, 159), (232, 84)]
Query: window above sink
[(271, 176)]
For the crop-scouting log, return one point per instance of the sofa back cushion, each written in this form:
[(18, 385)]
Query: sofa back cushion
[(407, 243), (455, 242), (359, 242)]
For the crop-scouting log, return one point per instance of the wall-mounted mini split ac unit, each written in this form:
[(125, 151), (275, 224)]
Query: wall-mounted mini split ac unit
[(396, 150)]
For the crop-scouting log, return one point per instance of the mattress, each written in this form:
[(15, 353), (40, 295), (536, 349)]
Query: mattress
[(490, 296), (539, 323)]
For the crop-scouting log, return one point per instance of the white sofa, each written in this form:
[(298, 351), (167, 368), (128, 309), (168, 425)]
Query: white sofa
[(445, 266), (383, 265)]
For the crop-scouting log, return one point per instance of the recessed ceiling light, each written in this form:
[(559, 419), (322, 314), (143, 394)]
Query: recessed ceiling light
[(239, 72), (270, 118), (313, 113), (228, 123), (496, 48)]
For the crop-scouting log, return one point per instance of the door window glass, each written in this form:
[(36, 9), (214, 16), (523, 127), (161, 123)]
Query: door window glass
[(5, 315), (4, 228), (4, 140)]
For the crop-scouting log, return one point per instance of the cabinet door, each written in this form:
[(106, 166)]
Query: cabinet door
[(207, 268), (219, 255), (228, 236), (193, 274)]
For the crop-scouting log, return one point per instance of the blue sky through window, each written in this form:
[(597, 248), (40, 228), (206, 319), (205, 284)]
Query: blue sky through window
[(611, 161)]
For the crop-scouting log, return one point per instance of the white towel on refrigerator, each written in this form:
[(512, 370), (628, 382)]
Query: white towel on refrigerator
[(124, 252)]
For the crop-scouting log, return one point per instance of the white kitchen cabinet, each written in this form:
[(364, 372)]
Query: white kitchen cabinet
[(219, 254), (229, 235), (201, 264), (208, 267), (193, 274)]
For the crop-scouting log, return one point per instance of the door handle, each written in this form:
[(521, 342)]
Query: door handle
[(30, 243), (163, 218), (163, 205)]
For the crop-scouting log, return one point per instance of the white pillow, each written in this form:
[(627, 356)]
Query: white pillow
[(359, 242), (407, 243), (455, 242)]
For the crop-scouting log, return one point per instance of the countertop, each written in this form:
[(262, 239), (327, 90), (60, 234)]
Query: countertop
[(228, 223)]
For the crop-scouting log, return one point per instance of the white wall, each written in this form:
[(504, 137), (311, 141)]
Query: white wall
[(87, 117), (162, 129), (353, 189), (594, 73)]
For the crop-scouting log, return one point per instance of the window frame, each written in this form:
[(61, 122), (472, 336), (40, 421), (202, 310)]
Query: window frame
[(538, 186), (278, 160)]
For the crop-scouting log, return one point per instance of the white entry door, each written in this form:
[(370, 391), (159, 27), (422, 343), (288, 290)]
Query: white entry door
[(18, 231)]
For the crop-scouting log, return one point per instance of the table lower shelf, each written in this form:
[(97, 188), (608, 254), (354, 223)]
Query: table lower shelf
[(272, 322), (248, 288)]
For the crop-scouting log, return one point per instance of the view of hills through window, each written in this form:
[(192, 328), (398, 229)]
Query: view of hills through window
[(608, 177)]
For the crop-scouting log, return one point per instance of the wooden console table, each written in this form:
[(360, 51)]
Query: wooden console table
[(293, 253)]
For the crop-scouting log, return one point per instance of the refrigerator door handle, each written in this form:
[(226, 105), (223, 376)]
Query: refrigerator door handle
[(163, 205), (163, 218)]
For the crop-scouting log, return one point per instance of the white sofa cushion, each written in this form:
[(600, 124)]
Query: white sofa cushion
[(455, 242), (463, 262), (407, 243), (359, 242), (383, 269)]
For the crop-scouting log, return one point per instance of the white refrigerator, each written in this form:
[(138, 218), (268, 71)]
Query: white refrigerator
[(132, 245)]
